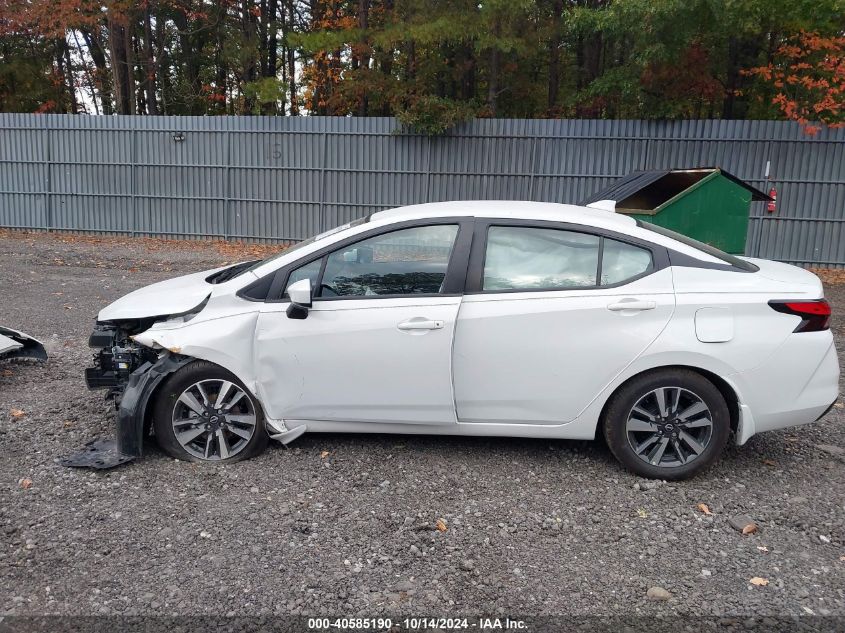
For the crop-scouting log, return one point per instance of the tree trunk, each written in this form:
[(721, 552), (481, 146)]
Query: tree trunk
[(148, 62), (162, 65), (262, 39), (140, 96), (493, 81), (268, 46), (69, 79), (291, 61), (493, 70), (191, 41), (249, 25), (554, 55), (468, 64), (363, 24), (124, 92), (101, 74), (272, 41), (88, 76)]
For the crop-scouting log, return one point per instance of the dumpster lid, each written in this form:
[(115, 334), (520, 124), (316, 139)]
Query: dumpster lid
[(644, 191)]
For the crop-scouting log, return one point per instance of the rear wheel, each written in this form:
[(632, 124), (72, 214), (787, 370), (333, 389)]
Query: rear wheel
[(667, 424), (203, 413)]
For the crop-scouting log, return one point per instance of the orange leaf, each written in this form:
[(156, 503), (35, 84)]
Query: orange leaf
[(769, 462), (17, 413), (324, 454), (25, 483), (705, 509), (441, 525), (749, 529), (759, 582)]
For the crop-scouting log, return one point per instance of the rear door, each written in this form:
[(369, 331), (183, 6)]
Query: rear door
[(552, 315)]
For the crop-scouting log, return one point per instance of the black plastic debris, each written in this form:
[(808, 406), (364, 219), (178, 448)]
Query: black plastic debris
[(98, 453)]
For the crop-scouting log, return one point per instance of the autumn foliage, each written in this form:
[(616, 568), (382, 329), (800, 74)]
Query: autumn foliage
[(808, 75), (430, 63)]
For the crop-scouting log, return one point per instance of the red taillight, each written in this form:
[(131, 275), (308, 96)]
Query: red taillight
[(815, 315)]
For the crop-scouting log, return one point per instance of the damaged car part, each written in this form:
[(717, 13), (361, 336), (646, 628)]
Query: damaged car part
[(132, 398), (15, 344), (130, 373), (99, 453)]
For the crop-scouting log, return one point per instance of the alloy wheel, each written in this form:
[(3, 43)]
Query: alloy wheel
[(669, 427), (214, 419)]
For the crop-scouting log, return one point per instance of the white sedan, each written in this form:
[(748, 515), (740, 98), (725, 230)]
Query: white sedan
[(474, 318)]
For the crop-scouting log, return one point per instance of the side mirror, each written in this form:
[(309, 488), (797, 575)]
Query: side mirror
[(300, 299)]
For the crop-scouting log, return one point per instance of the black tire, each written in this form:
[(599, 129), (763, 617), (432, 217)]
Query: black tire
[(639, 391), (167, 407)]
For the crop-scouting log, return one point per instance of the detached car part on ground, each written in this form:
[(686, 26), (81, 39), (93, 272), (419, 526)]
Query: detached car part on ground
[(14, 344), (473, 318)]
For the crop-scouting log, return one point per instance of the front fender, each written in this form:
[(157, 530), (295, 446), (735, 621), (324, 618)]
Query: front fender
[(132, 411), (226, 341)]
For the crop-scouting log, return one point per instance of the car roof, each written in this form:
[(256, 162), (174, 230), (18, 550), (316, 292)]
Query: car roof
[(511, 209)]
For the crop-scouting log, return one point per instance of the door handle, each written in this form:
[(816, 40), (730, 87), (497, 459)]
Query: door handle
[(419, 323), (632, 304)]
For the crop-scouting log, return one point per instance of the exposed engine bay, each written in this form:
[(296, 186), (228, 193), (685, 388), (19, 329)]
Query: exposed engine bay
[(117, 355)]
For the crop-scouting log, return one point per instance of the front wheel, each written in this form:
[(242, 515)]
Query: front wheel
[(203, 413), (667, 424)]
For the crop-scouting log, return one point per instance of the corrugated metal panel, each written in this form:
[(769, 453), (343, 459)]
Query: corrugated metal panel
[(626, 186), (282, 178)]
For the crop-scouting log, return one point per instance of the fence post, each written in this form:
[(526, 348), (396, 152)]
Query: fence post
[(533, 167), (323, 226), (756, 242), (227, 191), (133, 175), (49, 153), (428, 171), (647, 159)]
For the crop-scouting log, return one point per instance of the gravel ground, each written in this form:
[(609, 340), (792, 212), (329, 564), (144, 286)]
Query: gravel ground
[(345, 524)]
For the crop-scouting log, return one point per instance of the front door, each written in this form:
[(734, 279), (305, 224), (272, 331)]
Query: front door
[(557, 316), (376, 345)]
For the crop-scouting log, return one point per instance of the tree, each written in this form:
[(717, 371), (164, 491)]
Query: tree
[(808, 76), (431, 63)]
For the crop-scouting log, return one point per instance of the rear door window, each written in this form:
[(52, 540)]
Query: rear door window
[(538, 258), (533, 258)]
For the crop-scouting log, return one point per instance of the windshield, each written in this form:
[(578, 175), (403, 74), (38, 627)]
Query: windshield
[(701, 246), (310, 240)]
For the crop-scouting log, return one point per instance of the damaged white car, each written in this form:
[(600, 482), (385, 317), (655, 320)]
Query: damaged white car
[(473, 318)]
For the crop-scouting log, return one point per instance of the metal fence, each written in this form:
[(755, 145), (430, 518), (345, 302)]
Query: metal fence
[(286, 178)]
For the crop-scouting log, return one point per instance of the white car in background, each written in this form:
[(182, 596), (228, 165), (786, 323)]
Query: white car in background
[(515, 319)]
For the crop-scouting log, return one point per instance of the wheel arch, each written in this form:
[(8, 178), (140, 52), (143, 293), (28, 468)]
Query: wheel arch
[(727, 391), (153, 393)]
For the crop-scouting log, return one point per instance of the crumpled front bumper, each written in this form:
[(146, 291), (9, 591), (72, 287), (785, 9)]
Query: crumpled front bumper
[(131, 417), (14, 344)]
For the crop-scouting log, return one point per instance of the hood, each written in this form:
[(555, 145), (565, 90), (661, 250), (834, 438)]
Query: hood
[(173, 296)]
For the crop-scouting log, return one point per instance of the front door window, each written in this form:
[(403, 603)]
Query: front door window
[(406, 262)]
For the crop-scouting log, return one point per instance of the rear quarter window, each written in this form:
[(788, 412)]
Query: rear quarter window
[(731, 260)]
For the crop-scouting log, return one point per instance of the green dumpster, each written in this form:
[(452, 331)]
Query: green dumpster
[(707, 203)]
